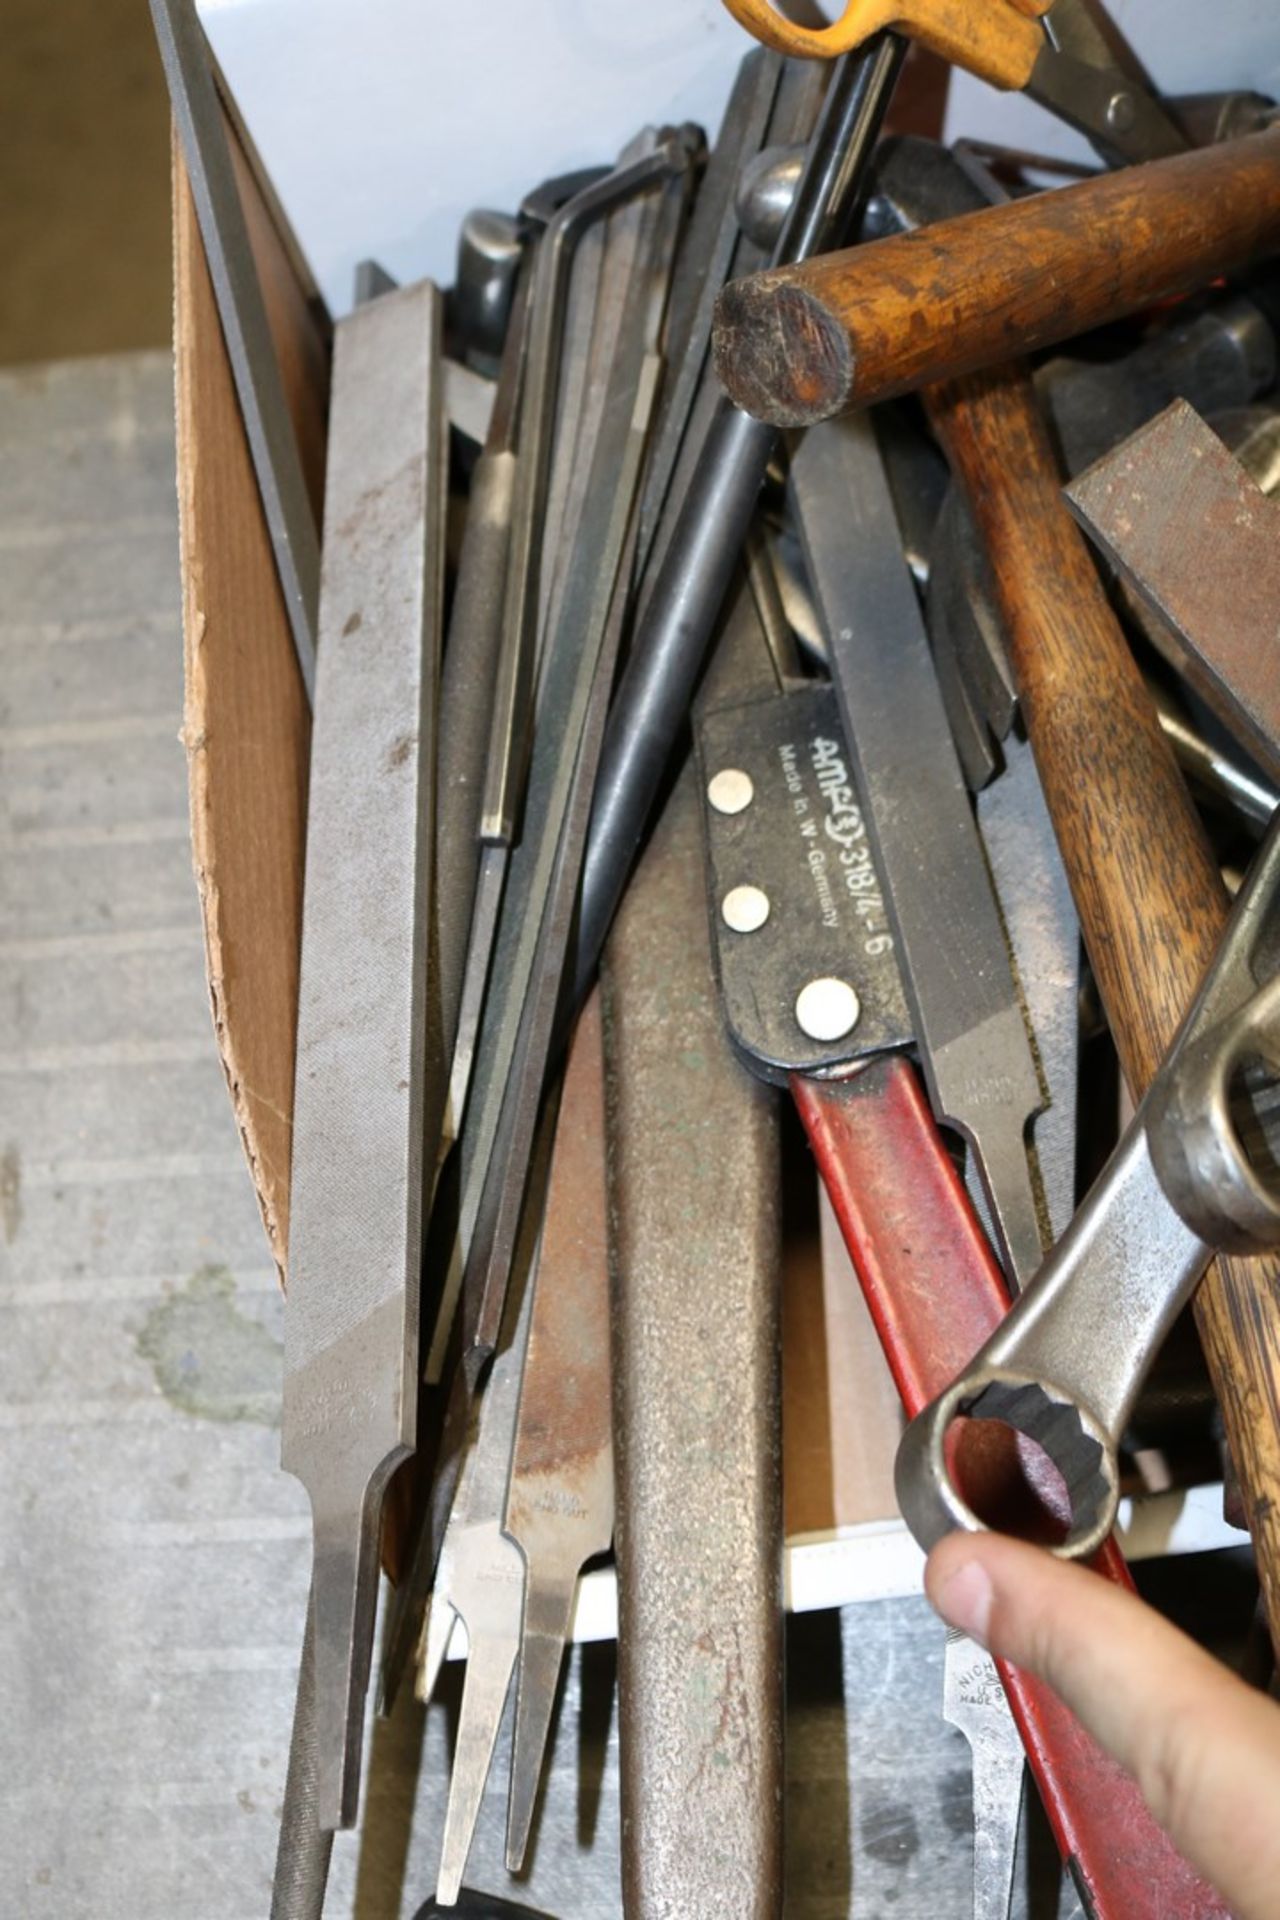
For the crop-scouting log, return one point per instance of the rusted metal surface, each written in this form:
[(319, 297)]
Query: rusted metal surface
[(486, 1590), (560, 1496), (694, 1205), (1192, 532)]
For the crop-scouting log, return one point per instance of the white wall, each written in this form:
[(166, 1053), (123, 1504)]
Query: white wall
[(1187, 46), (382, 121)]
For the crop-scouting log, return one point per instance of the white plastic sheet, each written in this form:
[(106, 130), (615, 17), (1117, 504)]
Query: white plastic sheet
[(382, 121)]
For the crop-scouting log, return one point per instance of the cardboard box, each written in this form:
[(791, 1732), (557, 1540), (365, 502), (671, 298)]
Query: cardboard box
[(246, 723)]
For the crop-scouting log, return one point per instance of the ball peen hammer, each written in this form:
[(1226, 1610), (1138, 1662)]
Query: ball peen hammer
[(797, 344)]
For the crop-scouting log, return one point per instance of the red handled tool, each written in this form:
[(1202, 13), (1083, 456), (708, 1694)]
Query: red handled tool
[(809, 983)]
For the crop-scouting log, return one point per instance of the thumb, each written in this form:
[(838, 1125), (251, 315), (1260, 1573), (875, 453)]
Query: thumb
[(1203, 1747)]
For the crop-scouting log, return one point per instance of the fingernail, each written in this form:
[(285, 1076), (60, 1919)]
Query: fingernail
[(965, 1601)]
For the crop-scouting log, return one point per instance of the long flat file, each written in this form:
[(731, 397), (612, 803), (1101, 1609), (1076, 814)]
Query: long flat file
[(361, 1101)]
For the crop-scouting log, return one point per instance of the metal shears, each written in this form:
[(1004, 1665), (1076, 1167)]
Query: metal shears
[(1052, 50)]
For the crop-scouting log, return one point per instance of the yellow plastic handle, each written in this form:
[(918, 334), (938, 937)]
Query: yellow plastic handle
[(996, 39)]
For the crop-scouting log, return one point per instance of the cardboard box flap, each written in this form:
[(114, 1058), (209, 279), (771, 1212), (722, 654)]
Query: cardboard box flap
[(246, 725)]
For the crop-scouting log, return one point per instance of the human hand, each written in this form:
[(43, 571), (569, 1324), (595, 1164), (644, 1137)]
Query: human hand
[(1203, 1747)]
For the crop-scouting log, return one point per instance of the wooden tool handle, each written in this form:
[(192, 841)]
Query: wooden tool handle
[(797, 344), (1147, 889)]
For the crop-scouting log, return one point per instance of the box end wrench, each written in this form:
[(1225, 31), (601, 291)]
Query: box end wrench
[(932, 1285), (1187, 1179)]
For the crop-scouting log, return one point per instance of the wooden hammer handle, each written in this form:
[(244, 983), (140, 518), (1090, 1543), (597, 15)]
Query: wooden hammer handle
[(797, 344), (1147, 889)]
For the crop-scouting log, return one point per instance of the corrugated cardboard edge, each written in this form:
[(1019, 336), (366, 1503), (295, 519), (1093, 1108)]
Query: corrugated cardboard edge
[(246, 727)]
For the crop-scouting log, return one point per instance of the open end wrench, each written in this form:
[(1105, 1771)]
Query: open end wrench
[(1192, 1174)]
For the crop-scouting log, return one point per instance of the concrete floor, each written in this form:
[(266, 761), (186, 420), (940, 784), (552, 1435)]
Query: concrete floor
[(84, 181)]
